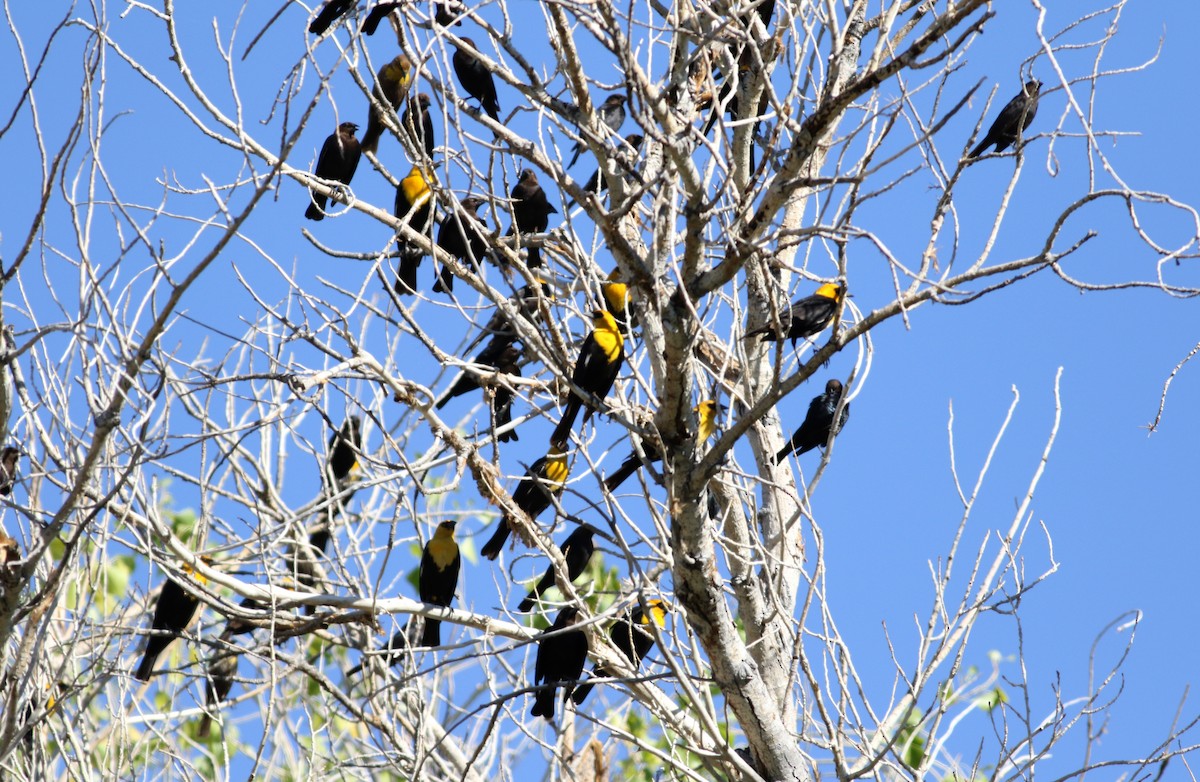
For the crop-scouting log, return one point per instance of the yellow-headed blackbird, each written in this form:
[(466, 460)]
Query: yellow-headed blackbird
[(633, 637), (808, 316), (417, 124), (221, 670), (577, 550), (707, 412), (458, 237), (559, 663), (391, 85), (338, 161), (393, 652), (1013, 119), (174, 611), (438, 577), (815, 430), (612, 115), (414, 205), (531, 211), (379, 12), (467, 382), (9, 459), (344, 447), (476, 79), (330, 13), (626, 156), (544, 479), (596, 369)]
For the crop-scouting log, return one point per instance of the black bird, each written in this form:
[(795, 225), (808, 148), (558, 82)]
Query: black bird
[(559, 662), (476, 79), (330, 13), (577, 550), (502, 404), (632, 636), (438, 577), (612, 115), (808, 316), (338, 161), (344, 447), (815, 430), (417, 124), (393, 652), (507, 357), (414, 205), (379, 12), (238, 626), (9, 458), (220, 672), (525, 300), (595, 371), (706, 411), (391, 85), (462, 240), (1013, 119), (448, 12), (544, 479), (531, 211), (173, 612), (625, 158)]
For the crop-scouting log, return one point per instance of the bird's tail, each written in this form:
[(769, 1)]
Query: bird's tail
[(146, 667), (562, 432), (496, 542), (979, 149), (406, 276), (444, 282), (543, 703), (528, 603), (581, 692), (627, 468), (431, 636), (316, 208)]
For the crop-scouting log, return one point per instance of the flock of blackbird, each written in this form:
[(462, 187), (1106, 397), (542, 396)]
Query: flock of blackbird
[(563, 648)]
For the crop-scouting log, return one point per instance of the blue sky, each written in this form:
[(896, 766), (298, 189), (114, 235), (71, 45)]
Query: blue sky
[(1116, 501)]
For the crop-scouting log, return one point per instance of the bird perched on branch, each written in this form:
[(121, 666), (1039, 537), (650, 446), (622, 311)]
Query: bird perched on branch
[(531, 211), (391, 85), (559, 663), (577, 550), (544, 479), (612, 116), (506, 362), (458, 237), (818, 423), (438, 577), (476, 79), (393, 651), (341, 470), (338, 161), (417, 124), (219, 681), (625, 156), (1013, 119), (173, 612), (808, 316), (632, 635), (330, 13), (595, 371), (379, 12), (414, 206), (706, 411)]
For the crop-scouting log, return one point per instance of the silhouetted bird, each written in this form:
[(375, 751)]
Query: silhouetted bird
[(220, 672), (525, 300), (391, 85), (577, 550), (595, 371), (9, 459), (417, 124), (1013, 119), (338, 161), (438, 577), (612, 115), (379, 12), (344, 447), (476, 79), (544, 479), (808, 316), (414, 205), (447, 13), (329, 14), (559, 663), (173, 612), (815, 430), (467, 382), (633, 637), (531, 211), (462, 240), (626, 156)]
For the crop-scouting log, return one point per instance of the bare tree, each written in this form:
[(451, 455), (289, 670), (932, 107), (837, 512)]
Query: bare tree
[(178, 367)]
